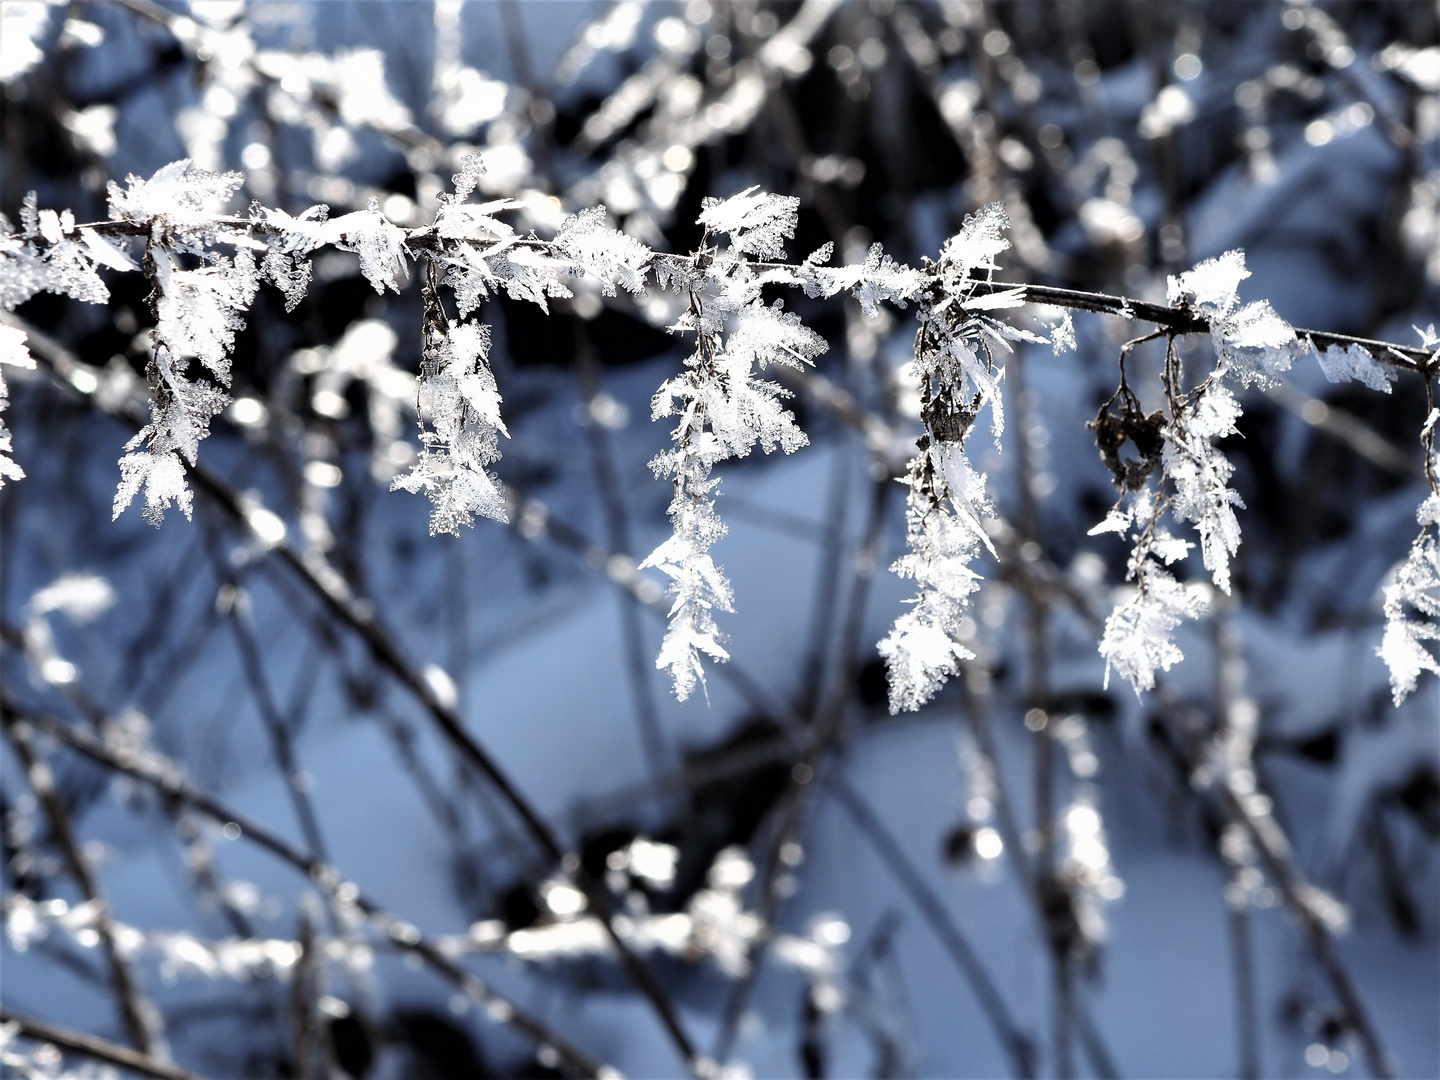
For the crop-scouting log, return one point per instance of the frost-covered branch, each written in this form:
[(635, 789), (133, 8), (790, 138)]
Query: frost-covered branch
[(199, 297)]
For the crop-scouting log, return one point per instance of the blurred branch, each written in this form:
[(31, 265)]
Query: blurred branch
[(359, 614), (400, 934), (139, 1015), (92, 1046)]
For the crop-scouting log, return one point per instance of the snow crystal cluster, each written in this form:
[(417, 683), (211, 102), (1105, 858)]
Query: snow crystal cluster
[(1189, 476), (957, 368), (724, 410), (1416, 587), (206, 266)]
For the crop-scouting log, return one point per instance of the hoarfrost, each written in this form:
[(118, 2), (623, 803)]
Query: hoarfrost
[(14, 353), (1354, 362), (459, 397), (757, 222)]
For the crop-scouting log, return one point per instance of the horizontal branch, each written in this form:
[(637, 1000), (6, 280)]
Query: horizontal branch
[(1178, 320), (1184, 321), (92, 1046)]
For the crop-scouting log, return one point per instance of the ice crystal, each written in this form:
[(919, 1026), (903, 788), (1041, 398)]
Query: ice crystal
[(14, 353), (459, 398), (290, 240), (612, 257), (51, 255), (879, 278), (1062, 338), (1354, 362), (1200, 474), (197, 315), (697, 584), (1137, 641), (1253, 342), (1416, 587), (379, 243), (757, 222), (187, 197), (945, 532)]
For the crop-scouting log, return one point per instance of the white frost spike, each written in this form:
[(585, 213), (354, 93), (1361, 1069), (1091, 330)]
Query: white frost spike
[(724, 411), (879, 278), (1062, 338), (922, 651), (612, 257), (757, 222), (697, 584), (741, 409), (1137, 640), (161, 476), (197, 313), (1417, 585), (980, 239), (459, 397), (1253, 342), (14, 353), (1200, 474)]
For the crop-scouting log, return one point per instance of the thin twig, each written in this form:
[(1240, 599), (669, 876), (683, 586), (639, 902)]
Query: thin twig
[(400, 934), (92, 1046), (139, 1015), (1019, 1046), (358, 613)]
